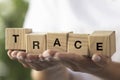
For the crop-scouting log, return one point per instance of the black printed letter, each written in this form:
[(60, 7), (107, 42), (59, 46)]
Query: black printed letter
[(15, 38), (99, 46), (77, 46), (36, 43), (57, 42)]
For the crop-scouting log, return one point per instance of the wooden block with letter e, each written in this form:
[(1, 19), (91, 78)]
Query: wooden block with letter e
[(35, 43), (78, 43), (15, 38), (103, 42), (57, 41)]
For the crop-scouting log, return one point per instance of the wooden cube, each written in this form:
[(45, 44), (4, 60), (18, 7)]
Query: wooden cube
[(103, 42), (36, 43), (15, 38), (57, 41), (78, 43)]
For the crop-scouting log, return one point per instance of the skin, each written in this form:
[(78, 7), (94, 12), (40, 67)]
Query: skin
[(51, 61)]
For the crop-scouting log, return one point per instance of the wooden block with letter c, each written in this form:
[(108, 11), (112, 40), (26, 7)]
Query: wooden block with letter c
[(78, 43)]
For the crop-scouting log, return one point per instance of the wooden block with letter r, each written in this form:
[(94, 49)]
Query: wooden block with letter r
[(78, 43), (57, 41), (15, 38), (35, 43), (103, 42)]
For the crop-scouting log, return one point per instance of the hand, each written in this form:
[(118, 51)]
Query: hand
[(97, 64), (92, 65), (37, 62)]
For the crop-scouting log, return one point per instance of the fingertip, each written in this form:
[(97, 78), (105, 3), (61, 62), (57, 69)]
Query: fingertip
[(28, 56), (9, 53), (41, 58), (45, 54), (21, 55), (49, 52), (96, 58), (14, 53)]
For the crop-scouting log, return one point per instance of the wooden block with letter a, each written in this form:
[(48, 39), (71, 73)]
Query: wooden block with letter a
[(103, 42), (35, 43), (15, 38), (57, 41), (78, 43)]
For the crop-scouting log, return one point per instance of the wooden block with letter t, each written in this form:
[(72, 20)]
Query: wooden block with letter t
[(15, 38), (78, 43), (103, 42), (57, 41), (35, 43)]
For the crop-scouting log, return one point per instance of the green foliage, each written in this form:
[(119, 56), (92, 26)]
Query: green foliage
[(12, 14)]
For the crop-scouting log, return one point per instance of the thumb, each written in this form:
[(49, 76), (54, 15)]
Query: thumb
[(96, 58), (49, 53), (99, 60)]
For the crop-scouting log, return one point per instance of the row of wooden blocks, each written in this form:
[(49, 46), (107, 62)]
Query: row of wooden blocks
[(103, 42)]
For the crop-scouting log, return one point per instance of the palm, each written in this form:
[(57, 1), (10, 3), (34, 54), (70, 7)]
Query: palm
[(81, 63), (37, 62)]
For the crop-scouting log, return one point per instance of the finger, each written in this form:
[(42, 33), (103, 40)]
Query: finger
[(100, 59), (40, 66), (35, 66), (33, 61), (39, 62), (96, 58), (49, 52), (13, 55), (32, 57), (50, 59), (21, 56), (41, 58), (9, 53)]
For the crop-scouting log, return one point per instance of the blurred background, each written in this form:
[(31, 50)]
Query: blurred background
[(12, 14)]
